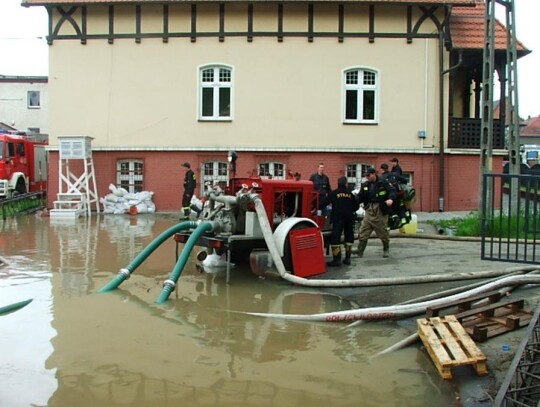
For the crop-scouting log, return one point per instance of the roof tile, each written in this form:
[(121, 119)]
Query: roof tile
[(467, 28)]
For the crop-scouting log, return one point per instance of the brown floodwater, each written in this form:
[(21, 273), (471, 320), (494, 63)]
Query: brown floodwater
[(72, 346)]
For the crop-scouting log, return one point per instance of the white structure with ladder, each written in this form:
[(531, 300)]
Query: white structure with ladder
[(77, 190)]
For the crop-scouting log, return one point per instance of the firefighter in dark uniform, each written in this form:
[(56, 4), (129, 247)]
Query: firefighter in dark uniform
[(321, 183), (378, 196), (190, 182), (344, 207)]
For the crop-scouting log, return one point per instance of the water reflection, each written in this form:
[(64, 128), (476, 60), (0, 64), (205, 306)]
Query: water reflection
[(199, 349)]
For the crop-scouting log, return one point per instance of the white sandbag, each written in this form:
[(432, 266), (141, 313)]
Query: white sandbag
[(215, 260), (142, 208)]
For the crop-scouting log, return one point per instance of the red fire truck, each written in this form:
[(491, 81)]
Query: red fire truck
[(23, 165)]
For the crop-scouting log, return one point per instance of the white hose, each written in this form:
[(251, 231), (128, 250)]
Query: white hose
[(394, 311), (4, 262), (362, 282)]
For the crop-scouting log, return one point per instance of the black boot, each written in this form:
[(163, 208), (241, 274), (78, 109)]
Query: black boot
[(185, 214), (336, 252), (361, 247), (386, 249), (196, 210), (348, 249)]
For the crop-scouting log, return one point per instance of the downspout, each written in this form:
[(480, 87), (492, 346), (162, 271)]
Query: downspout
[(442, 164), (441, 126)]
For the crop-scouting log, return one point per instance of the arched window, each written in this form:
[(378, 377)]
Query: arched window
[(215, 93), (361, 96), (273, 170)]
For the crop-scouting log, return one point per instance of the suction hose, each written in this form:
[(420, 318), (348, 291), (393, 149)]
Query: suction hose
[(14, 307), (393, 311), (170, 283), (125, 273), (362, 282)]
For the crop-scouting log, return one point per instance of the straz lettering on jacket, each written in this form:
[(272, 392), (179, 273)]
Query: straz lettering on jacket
[(347, 195)]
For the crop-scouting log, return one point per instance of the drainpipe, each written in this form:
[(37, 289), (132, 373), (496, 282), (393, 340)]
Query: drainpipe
[(442, 178)]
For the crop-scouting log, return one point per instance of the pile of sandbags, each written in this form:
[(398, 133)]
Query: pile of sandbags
[(121, 201)]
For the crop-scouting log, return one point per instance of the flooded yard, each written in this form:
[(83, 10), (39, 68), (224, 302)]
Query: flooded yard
[(74, 347)]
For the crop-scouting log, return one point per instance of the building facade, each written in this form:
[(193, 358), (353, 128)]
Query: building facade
[(24, 103), (285, 84)]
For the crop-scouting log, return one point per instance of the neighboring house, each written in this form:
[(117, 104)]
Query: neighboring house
[(530, 140), (286, 84), (24, 103)]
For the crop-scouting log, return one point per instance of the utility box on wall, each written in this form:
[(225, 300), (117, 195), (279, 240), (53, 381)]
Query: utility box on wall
[(75, 147)]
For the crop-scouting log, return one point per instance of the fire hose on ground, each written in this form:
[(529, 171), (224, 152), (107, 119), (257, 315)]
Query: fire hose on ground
[(406, 310)]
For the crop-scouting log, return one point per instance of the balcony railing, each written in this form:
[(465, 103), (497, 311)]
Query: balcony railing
[(466, 133)]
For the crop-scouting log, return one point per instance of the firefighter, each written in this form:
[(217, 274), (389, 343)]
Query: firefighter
[(395, 166), (321, 183), (344, 207), (190, 182), (398, 215), (377, 196)]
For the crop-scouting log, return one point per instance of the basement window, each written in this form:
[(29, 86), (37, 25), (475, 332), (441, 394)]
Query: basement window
[(129, 175), (215, 173), (272, 170)]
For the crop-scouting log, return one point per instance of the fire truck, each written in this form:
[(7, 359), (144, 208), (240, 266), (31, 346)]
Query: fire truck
[(23, 165)]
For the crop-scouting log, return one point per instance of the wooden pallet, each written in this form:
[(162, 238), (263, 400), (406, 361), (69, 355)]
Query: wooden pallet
[(484, 322), (449, 345), (463, 304)]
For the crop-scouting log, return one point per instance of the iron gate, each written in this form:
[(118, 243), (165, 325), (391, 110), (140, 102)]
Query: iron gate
[(511, 218)]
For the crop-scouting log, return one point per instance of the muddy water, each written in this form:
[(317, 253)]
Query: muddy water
[(74, 347)]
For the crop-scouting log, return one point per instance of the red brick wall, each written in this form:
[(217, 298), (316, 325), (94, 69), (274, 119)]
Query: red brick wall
[(164, 174)]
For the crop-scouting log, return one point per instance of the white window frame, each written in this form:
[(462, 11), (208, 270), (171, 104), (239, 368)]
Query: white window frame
[(355, 173), (275, 170), (214, 172), (134, 175), (33, 99), (364, 74), (217, 82), (409, 176)]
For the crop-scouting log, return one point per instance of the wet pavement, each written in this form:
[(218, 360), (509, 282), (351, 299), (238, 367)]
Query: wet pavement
[(74, 347)]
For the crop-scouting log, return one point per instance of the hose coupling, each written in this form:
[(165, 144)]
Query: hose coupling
[(169, 283), (125, 273)]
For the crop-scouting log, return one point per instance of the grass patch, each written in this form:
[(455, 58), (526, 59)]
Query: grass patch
[(471, 225), (500, 226)]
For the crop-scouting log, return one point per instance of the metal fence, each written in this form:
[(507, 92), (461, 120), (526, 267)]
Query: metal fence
[(521, 386), (511, 218)]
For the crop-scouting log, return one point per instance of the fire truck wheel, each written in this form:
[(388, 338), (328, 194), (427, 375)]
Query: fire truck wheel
[(20, 188), (287, 255)]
